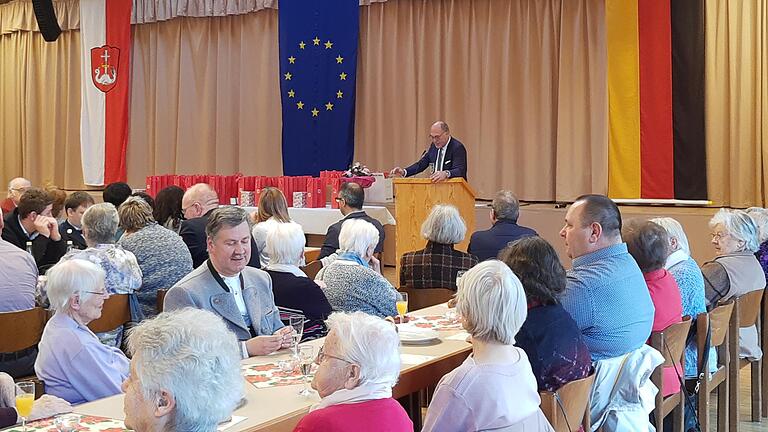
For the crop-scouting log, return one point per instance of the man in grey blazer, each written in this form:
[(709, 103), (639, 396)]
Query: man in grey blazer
[(224, 285)]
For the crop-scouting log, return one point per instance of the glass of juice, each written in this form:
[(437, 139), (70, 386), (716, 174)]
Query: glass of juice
[(25, 398), (402, 305)]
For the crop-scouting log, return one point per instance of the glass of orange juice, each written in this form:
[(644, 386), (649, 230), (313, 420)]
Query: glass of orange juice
[(402, 305), (25, 398)]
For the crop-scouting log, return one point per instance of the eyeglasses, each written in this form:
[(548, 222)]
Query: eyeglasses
[(321, 356), (104, 293), (434, 137), (719, 235)]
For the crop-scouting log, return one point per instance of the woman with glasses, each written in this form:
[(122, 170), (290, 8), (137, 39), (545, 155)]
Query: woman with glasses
[(735, 270), (494, 389), (357, 368), (72, 362)]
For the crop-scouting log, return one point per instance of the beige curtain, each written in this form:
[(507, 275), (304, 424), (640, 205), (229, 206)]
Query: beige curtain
[(521, 83), (18, 15), (737, 101)]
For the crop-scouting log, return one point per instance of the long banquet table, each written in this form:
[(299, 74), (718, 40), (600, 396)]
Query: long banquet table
[(278, 409)]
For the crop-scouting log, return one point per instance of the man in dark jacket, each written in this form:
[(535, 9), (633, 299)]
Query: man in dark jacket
[(351, 199), (505, 210)]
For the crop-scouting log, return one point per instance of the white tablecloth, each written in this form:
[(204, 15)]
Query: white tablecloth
[(317, 220)]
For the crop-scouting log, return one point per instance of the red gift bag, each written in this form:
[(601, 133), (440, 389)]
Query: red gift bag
[(335, 186)]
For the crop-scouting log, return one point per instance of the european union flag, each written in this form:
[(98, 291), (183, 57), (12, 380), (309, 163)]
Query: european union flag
[(318, 64)]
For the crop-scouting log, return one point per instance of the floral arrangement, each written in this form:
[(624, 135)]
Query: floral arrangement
[(357, 170)]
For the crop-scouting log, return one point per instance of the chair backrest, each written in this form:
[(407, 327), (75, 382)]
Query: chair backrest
[(21, 330), (116, 312), (312, 268), (670, 342), (719, 318), (574, 397), (749, 307), (160, 300), (419, 298)]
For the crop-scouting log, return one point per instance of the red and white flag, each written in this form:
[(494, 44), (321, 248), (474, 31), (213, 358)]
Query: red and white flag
[(105, 34)]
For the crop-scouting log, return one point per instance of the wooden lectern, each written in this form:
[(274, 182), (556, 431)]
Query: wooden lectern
[(414, 199)]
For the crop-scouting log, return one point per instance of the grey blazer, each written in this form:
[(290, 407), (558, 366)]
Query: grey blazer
[(200, 290)]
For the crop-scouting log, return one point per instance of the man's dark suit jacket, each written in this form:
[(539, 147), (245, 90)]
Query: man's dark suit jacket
[(455, 160), (331, 243), (45, 251), (192, 231), (486, 244), (69, 232)]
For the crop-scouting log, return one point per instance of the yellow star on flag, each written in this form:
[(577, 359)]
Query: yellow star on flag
[(342, 76), (288, 76), (339, 59), (291, 59), (315, 112), (291, 93), (339, 94), (329, 106), (328, 44), (300, 105), (316, 40), (302, 45)]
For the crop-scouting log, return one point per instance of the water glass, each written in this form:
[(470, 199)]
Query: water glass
[(306, 360), (297, 323)]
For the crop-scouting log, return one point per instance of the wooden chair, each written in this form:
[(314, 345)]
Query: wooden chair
[(746, 313), (160, 300), (312, 269), (571, 412), (21, 330), (419, 298), (670, 342), (718, 321), (116, 312)]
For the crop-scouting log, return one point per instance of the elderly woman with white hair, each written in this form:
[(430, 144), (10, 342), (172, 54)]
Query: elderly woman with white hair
[(760, 216), (174, 355), (292, 289), (358, 366), (735, 270), (689, 279), (437, 264), (493, 307), (72, 362), (353, 282), (123, 274)]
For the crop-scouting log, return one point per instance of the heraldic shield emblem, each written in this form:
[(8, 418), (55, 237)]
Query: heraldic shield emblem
[(104, 65)]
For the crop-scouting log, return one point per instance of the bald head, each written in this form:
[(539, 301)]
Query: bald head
[(198, 200), (17, 187), (440, 133)]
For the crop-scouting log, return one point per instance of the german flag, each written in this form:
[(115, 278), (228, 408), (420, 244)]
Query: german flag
[(656, 145)]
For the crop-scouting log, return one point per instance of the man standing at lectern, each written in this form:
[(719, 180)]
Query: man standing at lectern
[(447, 154)]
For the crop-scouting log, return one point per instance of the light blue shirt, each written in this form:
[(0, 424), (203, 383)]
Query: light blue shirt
[(74, 365), (607, 297)]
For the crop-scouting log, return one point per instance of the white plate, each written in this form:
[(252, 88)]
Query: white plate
[(415, 335)]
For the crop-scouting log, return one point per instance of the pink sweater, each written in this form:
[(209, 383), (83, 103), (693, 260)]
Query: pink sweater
[(665, 295), (378, 415)]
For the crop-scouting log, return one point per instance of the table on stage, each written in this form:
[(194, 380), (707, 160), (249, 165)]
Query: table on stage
[(279, 408), (317, 220)]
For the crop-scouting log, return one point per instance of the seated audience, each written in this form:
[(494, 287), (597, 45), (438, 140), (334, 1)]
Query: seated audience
[(505, 209), (123, 274), (144, 196), (735, 271), (647, 242), (351, 199), (760, 216), (32, 222), (45, 406), (689, 279), (605, 291), (72, 362), (57, 207), (16, 188), (196, 205), (492, 304), (174, 356), (167, 210), (18, 282), (437, 264), (291, 287), (225, 285), (72, 229), (549, 336), (273, 211), (357, 367), (353, 282), (161, 254)]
